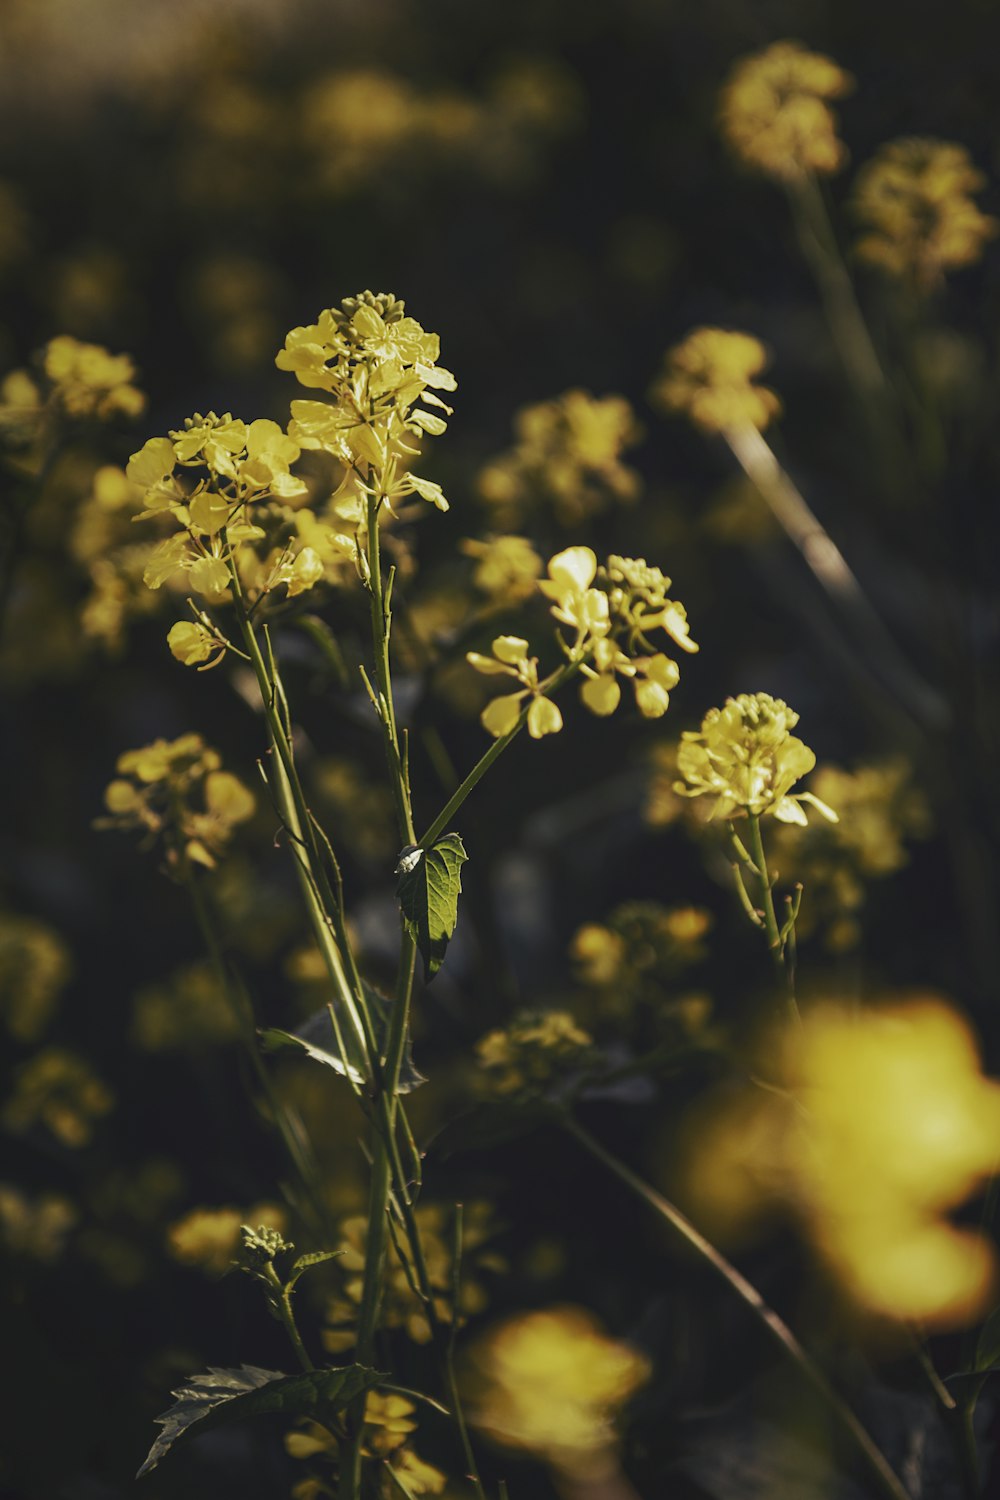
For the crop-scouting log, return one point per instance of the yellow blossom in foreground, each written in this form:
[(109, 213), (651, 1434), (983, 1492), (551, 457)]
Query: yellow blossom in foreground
[(746, 757), (710, 378), (774, 112), (510, 658), (210, 1237), (553, 1384), (914, 201), (883, 1126)]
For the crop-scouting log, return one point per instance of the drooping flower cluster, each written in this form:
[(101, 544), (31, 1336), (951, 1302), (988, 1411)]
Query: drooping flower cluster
[(775, 116), (376, 364), (553, 1383), (176, 791), (532, 1054), (746, 757), (710, 378), (610, 613), (883, 1125), (914, 201), (567, 458)]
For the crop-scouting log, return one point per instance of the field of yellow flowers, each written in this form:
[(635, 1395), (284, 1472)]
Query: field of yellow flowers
[(499, 897)]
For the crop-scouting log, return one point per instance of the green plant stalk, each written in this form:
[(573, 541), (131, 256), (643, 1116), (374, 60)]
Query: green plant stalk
[(283, 1307), (475, 776), (957, 1418), (775, 942), (454, 1396), (878, 1467), (381, 623)]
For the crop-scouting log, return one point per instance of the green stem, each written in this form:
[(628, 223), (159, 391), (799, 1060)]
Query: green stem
[(381, 624), (776, 943), (493, 754), (878, 1467), (283, 1305)]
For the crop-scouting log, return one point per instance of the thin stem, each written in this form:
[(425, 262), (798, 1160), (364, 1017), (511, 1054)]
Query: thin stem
[(776, 942), (472, 1470), (381, 624), (283, 1306), (878, 1467), (486, 760)]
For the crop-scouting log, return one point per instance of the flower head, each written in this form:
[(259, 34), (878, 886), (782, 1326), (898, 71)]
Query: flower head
[(746, 757), (510, 658), (710, 378), (914, 201), (775, 116), (531, 1054)]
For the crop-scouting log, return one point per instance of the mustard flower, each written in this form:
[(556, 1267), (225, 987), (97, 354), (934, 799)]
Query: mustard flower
[(746, 757), (34, 967), (553, 1383), (775, 116), (59, 1090), (510, 658), (914, 200), (574, 601), (36, 1228), (567, 456), (88, 381), (532, 1054), (376, 363), (710, 378), (507, 567)]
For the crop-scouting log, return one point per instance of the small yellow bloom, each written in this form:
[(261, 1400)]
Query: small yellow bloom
[(914, 199), (88, 381), (746, 757), (710, 378), (531, 1054), (191, 643), (500, 716), (574, 602), (775, 116)]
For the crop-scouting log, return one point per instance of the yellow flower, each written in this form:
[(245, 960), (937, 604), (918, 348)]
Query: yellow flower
[(188, 1010), (34, 967), (209, 1238), (553, 1383), (575, 603), (88, 381), (745, 756), (774, 114), (532, 1053), (914, 199), (34, 1228), (567, 456), (884, 1125), (390, 1419), (710, 379), (510, 658), (59, 1090), (506, 566), (191, 643)]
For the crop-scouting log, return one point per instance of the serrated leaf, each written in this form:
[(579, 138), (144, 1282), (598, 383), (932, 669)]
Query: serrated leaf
[(221, 1396), (317, 1038), (428, 890), (305, 1262)]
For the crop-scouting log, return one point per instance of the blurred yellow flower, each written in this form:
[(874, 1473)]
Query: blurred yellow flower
[(34, 967), (189, 1009), (209, 1238), (914, 201), (531, 1054), (553, 1383), (745, 756), (59, 1090), (775, 116), (36, 1228), (710, 379), (88, 381), (507, 567), (883, 1124)]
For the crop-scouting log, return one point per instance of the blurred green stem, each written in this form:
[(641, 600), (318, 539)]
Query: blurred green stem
[(876, 1463)]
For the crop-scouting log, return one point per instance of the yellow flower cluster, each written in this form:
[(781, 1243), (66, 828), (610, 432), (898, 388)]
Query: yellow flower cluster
[(376, 364), (34, 967), (188, 1010), (210, 1239), (175, 790), (710, 378), (641, 943), (34, 1228), (628, 601), (77, 382), (532, 1054), (507, 567), (885, 1125), (567, 456), (389, 1426), (746, 757), (879, 809), (775, 116), (914, 199), (60, 1091), (401, 1307), (553, 1384)]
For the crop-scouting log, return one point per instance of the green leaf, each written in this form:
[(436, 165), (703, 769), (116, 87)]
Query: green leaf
[(430, 882), (317, 1038), (219, 1396), (988, 1346), (305, 1262)]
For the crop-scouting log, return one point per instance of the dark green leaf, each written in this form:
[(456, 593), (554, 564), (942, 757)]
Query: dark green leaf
[(318, 1039), (314, 1258), (219, 1396), (430, 882)]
